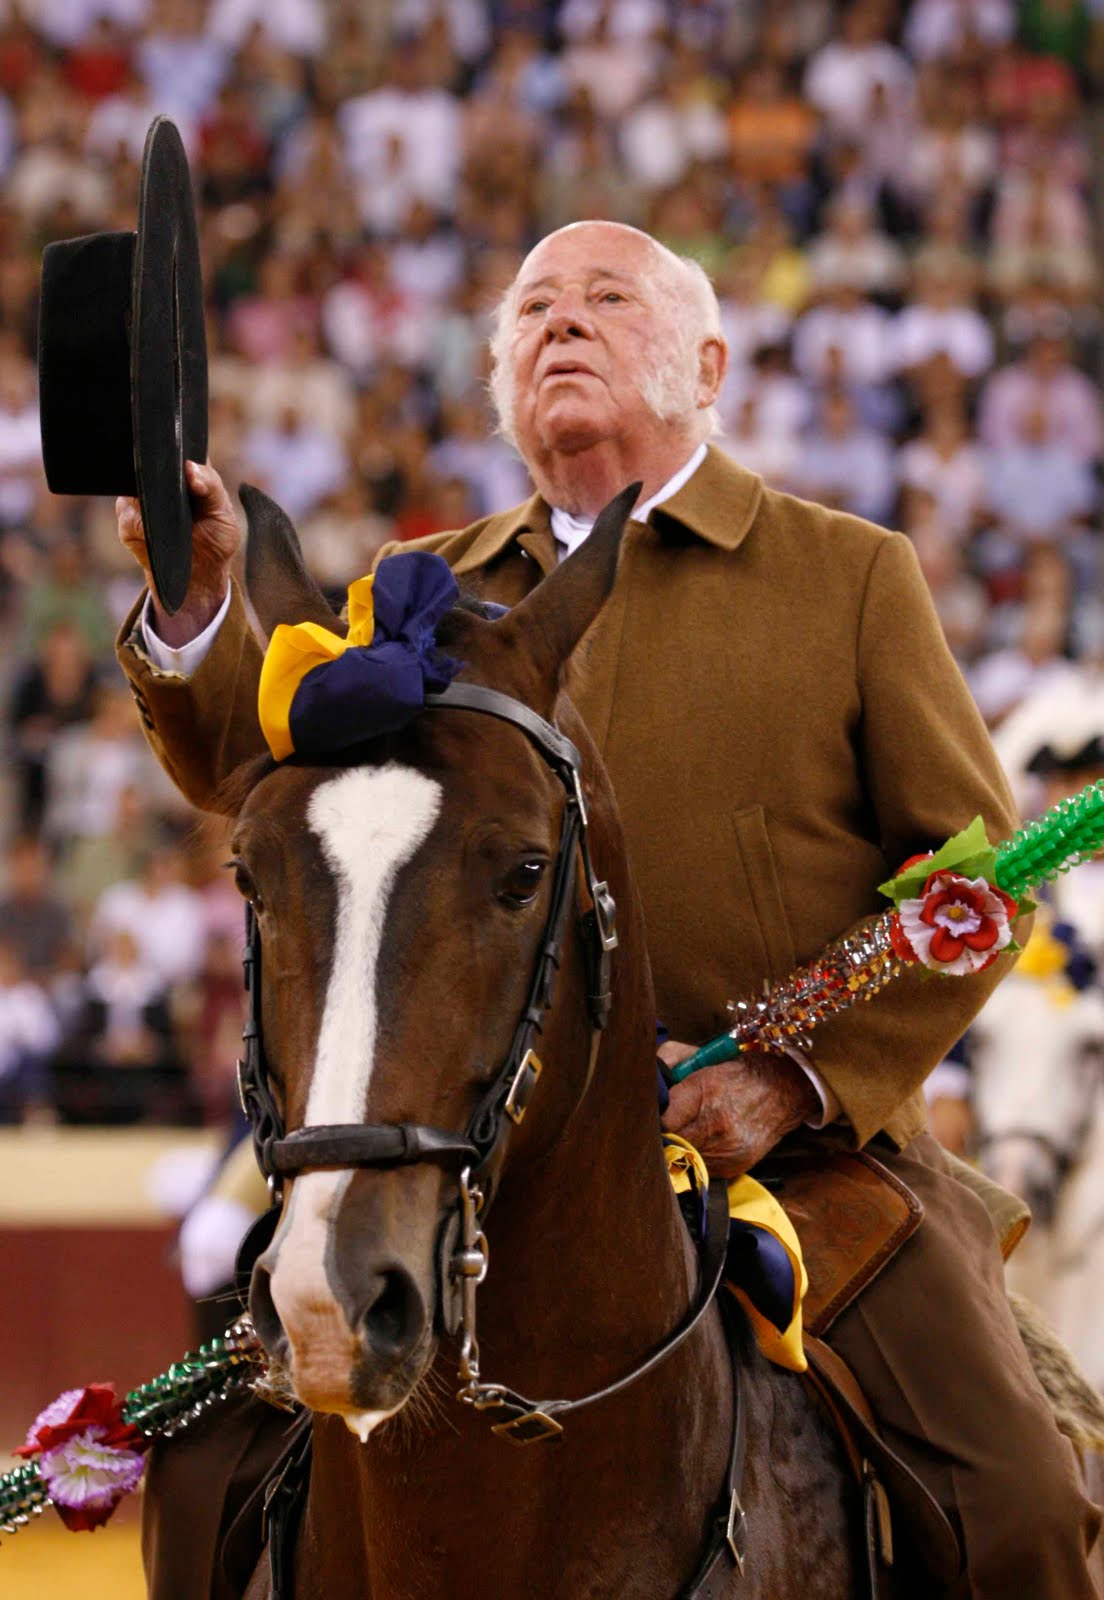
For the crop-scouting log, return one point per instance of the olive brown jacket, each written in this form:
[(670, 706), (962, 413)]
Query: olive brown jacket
[(783, 723)]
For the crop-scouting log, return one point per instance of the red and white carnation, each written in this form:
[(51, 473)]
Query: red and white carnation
[(88, 1456), (957, 925)]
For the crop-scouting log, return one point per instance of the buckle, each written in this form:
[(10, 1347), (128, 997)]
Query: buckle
[(241, 1088), (605, 907), (734, 1532), (517, 1101), (530, 1427)]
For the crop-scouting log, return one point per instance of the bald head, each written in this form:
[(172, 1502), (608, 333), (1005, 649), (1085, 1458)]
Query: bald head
[(573, 276)]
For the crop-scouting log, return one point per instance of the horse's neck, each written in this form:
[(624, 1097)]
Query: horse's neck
[(590, 1258)]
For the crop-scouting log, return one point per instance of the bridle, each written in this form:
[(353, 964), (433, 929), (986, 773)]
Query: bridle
[(477, 1153)]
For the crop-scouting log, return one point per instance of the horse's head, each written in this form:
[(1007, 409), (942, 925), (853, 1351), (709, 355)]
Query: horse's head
[(402, 899), (1037, 1055)]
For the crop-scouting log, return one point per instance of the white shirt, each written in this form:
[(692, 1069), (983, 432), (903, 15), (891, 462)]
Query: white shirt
[(570, 531)]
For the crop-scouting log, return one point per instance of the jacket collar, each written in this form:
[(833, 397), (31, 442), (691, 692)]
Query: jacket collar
[(718, 504)]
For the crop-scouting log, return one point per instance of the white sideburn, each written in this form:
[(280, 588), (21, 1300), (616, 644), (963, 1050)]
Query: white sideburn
[(370, 821)]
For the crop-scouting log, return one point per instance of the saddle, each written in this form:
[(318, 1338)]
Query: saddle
[(852, 1216)]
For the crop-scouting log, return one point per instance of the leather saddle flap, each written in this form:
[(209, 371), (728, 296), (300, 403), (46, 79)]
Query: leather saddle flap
[(852, 1216)]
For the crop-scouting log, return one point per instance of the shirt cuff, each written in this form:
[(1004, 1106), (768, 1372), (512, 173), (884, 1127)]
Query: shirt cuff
[(829, 1105), (186, 659)]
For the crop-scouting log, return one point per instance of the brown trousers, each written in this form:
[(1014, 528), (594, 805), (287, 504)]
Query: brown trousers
[(933, 1343), (935, 1346)]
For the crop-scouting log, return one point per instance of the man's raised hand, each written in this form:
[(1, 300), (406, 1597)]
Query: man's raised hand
[(216, 537)]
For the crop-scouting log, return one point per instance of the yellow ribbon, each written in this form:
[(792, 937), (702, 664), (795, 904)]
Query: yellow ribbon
[(1046, 958), (748, 1201), (296, 649)]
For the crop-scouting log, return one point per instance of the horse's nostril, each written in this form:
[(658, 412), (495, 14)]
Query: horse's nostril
[(262, 1308), (391, 1323)]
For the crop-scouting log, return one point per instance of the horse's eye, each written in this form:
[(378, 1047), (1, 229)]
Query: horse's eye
[(519, 886), (244, 884)]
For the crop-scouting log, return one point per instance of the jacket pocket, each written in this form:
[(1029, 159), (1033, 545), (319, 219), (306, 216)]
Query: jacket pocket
[(761, 892)]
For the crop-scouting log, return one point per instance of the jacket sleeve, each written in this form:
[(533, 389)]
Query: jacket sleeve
[(203, 727), (929, 768)]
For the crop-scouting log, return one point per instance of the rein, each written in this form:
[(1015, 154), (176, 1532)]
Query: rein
[(463, 1251)]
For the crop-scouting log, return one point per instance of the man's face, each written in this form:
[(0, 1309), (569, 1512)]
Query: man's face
[(589, 327)]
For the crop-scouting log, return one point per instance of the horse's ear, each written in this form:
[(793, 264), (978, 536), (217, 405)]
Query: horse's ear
[(553, 619), (279, 585)]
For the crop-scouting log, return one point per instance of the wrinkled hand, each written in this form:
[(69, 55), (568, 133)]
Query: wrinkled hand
[(215, 540), (734, 1113)]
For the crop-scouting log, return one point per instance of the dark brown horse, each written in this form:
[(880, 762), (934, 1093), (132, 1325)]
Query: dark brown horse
[(401, 900)]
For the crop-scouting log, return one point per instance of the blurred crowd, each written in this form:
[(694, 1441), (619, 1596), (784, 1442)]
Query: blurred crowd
[(895, 203)]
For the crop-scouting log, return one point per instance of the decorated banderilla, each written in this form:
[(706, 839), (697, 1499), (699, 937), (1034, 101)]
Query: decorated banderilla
[(86, 1451), (952, 913)]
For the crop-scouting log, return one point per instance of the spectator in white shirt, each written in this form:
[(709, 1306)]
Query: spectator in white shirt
[(615, 66), (473, 452), (936, 29), (161, 912), (306, 378), (295, 460), (940, 320), (946, 464), (182, 66), (89, 765), (1036, 486), (951, 144), (1046, 382), (849, 329), (842, 74), (297, 26), (20, 437), (853, 251), (425, 122), (844, 464), (29, 1033), (774, 456), (674, 127), (783, 402), (468, 24), (368, 320), (748, 321), (427, 259)]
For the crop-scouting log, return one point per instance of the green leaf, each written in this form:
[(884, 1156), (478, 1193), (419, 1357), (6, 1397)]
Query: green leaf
[(968, 853)]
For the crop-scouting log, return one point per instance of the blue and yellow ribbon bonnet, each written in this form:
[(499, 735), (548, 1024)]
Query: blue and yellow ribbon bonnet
[(320, 694)]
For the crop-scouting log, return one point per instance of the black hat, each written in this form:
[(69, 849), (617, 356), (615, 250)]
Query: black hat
[(122, 361)]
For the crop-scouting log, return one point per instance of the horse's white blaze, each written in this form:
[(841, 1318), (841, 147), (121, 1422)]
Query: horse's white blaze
[(370, 822)]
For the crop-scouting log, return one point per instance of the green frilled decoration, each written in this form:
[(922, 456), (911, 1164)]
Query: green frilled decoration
[(1067, 834), (158, 1409)]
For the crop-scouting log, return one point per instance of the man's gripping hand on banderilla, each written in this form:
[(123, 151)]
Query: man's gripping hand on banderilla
[(736, 1112), (216, 537)]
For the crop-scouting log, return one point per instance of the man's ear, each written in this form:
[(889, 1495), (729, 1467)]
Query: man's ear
[(712, 366)]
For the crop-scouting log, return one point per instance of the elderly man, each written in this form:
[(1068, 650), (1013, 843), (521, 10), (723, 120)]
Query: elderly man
[(783, 724)]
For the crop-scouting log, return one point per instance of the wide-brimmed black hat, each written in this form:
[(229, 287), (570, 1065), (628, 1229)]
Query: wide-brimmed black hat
[(122, 361)]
